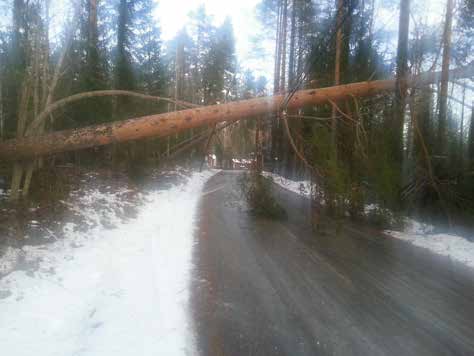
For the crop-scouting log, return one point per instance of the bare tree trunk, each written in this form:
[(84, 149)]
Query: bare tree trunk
[(337, 73), (283, 150), (299, 60), (443, 93), (18, 170), (162, 125), (28, 176), (470, 146), (461, 134), (275, 129), (276, 75), (2, 117), (295, 125), (29, 167), (283, 39), (92, 31), (44, 90), (291, 60), (401, 88), (258, 146)]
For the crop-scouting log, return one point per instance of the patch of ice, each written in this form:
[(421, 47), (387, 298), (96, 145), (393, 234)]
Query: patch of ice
[(107, 292)]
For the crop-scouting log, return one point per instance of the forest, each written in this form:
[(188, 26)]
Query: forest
[(408, 149), (250, 177)]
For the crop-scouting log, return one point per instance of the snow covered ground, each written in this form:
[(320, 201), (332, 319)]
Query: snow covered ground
[(102, 291), (302, 188), (423, 235), (455, 247)]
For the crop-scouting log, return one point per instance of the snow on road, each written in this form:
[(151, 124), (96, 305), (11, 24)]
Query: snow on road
[(121, 291)]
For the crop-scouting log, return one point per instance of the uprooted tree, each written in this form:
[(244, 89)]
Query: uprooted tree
[(161, 125)]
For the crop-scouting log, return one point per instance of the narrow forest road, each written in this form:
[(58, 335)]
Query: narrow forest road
[(263, 287)]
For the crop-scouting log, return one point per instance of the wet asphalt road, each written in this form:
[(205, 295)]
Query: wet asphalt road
[(263, 287)]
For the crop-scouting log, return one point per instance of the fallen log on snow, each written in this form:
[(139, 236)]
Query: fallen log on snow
[(160, 125)]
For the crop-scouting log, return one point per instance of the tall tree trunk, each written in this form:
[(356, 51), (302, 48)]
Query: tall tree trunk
[(258, 146), (275, 129), (276, 72), (291, 60), (443, 92), (47, 87), (283, 39), (18, 169), (2, 116), (30, 166), (471, 140), (283, 141), (294, 124), (92, 33), (461, 134), (301, 44), (337, 72), (401, 88)]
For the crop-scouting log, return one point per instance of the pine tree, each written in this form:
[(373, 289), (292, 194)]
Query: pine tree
[(398, 119), (442, 143), (147, 48), (3, 66), (124, 76), (178, 61), (202, 33), (220, 65), (93, 72), (16, 64)]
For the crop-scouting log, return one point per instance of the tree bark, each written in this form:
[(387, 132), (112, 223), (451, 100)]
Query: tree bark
[(275, 129), (461, 134), (276, 74), (291, 59), (337, 72), (92, 35), (2, 117), (283, 149), (401, 88), (443, 93), (283, 39), (471, 140), (168, 123)]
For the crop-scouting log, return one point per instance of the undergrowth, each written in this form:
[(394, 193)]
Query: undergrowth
[(257, 190)]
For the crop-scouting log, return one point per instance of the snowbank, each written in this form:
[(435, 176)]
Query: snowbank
[(417, 233), (302, 188), (102, 291), (455, 247)]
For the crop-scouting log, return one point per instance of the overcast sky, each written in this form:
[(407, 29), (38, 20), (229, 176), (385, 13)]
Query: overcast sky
[(173, 15)]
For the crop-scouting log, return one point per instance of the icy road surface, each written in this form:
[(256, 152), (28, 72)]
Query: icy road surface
[(121, 291), (274, 287)]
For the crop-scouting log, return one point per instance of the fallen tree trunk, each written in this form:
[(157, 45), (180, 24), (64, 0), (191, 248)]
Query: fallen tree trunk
[(169, 123)]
